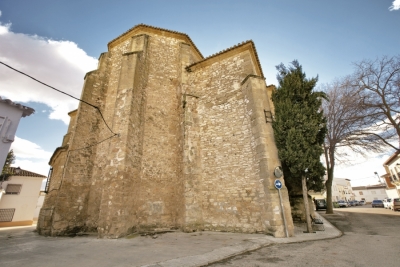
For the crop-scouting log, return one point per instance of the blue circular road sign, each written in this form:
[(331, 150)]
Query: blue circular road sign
[(278, 184)]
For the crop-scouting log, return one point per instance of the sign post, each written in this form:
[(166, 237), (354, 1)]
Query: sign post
[(278, 185)]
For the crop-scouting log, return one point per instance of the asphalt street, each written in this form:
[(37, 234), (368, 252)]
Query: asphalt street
[(371, 237), (22, 246)]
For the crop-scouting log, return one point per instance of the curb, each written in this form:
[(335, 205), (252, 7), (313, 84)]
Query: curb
[(224, 253)]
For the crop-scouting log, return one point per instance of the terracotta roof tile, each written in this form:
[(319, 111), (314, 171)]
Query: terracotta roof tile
[(25, 173)]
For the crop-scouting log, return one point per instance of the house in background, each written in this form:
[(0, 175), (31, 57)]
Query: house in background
[(341, 190), (39, 205), (392, 176), (10, 115), (370, 192), (19, 196), (335, 192)]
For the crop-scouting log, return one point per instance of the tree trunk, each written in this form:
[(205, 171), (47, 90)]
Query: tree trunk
[(305, 198), (328, 185), (330, 163)]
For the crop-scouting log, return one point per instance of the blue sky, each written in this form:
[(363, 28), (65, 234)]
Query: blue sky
[(59, 41)]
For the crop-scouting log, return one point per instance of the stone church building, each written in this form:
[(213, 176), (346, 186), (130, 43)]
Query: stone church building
[(186, 143)]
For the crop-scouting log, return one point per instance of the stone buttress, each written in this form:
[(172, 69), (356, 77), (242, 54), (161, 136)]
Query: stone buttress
[(186, 145)]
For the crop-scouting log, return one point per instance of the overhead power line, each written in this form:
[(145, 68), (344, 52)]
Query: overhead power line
[(87, 103), (95, 144)]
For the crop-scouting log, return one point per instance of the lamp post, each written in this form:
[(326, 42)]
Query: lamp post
[(379, 178)]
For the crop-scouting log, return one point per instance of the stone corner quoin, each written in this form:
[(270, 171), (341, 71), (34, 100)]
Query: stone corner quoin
[(194, 150)]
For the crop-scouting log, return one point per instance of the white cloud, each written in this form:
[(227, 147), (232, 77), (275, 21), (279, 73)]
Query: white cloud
[(61, 64), (27, 149), (40, 167), (4, 28), (30, 156), (359, 168), (362, 172), (395, 5)]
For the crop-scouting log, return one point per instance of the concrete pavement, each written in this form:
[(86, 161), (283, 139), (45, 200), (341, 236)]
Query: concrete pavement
[(20, 246)]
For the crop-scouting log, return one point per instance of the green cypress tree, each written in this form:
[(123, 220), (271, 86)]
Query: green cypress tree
[(299, 129), (5, 173)]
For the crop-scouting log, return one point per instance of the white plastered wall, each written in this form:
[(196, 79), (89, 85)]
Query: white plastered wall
[(25, 202)]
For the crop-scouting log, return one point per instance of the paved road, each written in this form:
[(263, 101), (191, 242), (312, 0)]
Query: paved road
[(371, 237)]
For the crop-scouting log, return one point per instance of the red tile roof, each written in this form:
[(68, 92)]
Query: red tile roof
[(25, 173)]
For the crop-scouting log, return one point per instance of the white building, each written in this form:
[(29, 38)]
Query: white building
[(39, 204), (370, 192), (341, 190), (10, 115), (392, 176), (19, 195)]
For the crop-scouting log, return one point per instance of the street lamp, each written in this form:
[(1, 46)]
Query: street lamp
[(379, 178)]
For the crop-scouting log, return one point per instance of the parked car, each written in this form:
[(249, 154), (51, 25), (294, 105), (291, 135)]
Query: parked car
[(320, 204), (395, 204), (387, 203), (362, 202), (342, 204), (352, 203), (377, 203), (357, 202)]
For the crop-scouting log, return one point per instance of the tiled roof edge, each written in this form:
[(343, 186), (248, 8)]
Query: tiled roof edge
[(230, 49), (366, 187), (160, 29), (26, 173), (392, 157), (26, 111)]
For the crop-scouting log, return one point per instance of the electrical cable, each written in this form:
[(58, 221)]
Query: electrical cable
[(68, 153), (61, 92), (66, 159), (94, 143)]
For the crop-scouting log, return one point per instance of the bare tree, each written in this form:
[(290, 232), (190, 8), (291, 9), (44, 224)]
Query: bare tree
[(377, 84), (347, 122), (362, 112)]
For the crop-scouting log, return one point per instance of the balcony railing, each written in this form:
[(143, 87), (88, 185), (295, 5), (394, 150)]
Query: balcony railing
[(46, 189)]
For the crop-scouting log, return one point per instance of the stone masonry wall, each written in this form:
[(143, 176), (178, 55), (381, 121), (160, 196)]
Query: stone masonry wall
[(230, 194), (44, 224), (266, 155), (161, 172), (150, 166), (66, 206), (121, 160), (188, 148), (225, 173)]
